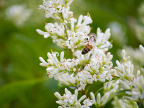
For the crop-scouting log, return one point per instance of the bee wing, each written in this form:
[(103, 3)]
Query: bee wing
[(92, 39), (92, 34), (91, 42)]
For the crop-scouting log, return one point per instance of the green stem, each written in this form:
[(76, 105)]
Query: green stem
[(98, 90), (142, 102), (83, 92), (66, 31)]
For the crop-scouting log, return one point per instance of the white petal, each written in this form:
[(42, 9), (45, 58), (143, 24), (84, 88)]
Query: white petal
[(141, 49)]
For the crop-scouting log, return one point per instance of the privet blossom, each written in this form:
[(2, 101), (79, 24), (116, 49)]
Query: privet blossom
[(18, 14), (82, 72)]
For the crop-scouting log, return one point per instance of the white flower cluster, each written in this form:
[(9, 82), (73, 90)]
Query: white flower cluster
[(136, 56), (118, 33), (137, 92), (128, 81), (125, 71), (57, 9), (109, 89), (99, 101), (82, 70), (55, 67), (111, 86), (69, 100), (64, 37), (68, 38), (97, 66), (18, 14), (126, 102)]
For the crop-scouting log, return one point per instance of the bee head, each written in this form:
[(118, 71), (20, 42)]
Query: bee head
[(93, 36)]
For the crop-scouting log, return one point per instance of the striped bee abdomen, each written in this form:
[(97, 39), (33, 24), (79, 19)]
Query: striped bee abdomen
[(86, 49)]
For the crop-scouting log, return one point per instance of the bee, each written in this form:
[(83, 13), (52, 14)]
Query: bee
[(90, 44)]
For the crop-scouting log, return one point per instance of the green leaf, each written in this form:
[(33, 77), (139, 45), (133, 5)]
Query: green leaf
[(9, 91), (122, 92), (96, 86)]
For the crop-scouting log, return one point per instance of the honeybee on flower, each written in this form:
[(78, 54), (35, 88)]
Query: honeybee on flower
[(86, 68), (91, 43)]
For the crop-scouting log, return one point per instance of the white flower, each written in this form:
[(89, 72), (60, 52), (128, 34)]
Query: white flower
[(83, 27), (66, 14), (78, 33), (98, 66), (136, 55), (69, 99), (128, 80), (73, 40), (44, 63), (95, 67), (55, 68), (67, 79), (56, 32), (125, 69), (125, 84), (85, 78), (46, 34), (137, 92), (99, 101), (124, 103), (102, 39), (55, 29), (87, 20), (54, 8), (87, 103), (18, 14), (72, 20), (111, 85), (118, 33)]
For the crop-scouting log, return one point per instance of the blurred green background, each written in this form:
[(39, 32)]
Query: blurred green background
[(23, 82)]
